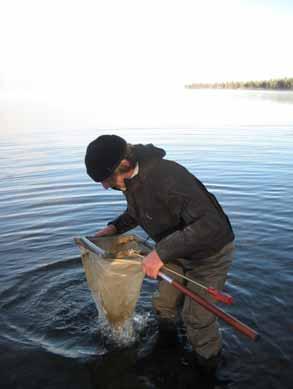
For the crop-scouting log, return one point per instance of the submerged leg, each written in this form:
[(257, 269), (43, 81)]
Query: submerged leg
[(201, 325), (166, 301)]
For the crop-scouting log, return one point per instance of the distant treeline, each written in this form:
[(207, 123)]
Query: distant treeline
[(280, 84)]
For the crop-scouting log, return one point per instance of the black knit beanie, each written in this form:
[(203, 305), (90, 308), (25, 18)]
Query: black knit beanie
[(103, 156)]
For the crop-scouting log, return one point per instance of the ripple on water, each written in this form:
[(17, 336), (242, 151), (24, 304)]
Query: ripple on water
[(51, 306), (44, 203)]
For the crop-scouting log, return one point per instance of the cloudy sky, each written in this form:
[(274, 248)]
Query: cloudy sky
[(110, 55)]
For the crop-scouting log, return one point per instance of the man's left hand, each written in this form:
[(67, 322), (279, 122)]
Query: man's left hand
[(152, 264)]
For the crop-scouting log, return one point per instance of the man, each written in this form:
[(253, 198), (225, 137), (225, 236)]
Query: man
[(191, 231)]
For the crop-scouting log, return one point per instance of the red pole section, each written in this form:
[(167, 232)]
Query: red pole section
[(237, 324)]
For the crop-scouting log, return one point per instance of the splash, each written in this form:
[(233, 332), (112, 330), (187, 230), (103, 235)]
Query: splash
[(126, 335)]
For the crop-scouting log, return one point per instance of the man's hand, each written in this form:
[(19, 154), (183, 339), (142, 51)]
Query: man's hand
[(109, 230), (152, 264)]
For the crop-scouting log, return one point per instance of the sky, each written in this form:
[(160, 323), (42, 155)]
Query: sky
[(113, 56)]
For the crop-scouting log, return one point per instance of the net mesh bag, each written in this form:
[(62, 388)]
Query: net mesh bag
[(115, 275)]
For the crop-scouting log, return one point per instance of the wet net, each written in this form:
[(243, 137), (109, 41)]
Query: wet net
[(114, 274)]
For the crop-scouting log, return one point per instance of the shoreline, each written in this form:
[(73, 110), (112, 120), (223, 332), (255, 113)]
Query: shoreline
[(250, 89), (281, 84)]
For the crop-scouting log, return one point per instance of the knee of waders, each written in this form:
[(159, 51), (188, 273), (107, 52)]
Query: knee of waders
[(165, 305)]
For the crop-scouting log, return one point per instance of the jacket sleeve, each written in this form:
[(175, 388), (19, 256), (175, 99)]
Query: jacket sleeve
[(124, 222), (199, 213)]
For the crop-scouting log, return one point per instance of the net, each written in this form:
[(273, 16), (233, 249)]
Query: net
[(114, 274)]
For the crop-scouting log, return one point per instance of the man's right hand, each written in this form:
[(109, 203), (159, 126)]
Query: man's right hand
[(109, 230)]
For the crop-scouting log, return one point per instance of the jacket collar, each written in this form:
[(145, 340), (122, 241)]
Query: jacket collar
[(139, 176)]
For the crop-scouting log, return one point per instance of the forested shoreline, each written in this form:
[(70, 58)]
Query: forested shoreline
[(274, 84)]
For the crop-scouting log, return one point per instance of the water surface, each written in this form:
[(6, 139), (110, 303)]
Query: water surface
[(51, 335)]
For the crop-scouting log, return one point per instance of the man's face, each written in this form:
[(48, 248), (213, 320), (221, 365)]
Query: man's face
[(116, 181)]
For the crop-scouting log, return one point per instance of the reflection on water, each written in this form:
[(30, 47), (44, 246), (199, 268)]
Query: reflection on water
[(50, 329), (175, 108), (279, 97)]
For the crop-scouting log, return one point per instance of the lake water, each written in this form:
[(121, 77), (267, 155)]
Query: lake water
[(51, 335)]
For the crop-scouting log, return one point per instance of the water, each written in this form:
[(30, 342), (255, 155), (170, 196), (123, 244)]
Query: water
[(51, 335)]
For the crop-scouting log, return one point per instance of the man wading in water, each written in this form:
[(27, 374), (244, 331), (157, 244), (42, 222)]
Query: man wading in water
[(192, 233)]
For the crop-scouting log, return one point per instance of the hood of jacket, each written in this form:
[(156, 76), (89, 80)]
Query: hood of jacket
[(148, 154)]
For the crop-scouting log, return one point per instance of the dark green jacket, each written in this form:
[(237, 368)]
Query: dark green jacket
[(174, 208)]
